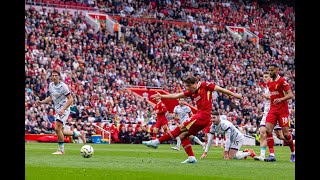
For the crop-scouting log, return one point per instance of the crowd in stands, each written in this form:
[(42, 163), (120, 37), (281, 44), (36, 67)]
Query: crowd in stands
[(98, 67)]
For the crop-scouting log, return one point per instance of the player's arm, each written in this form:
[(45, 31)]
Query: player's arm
[(266, 95), (228, 143), (287, 93), (208, 145), (226, 91), (69, 102), (168, 96), (46, 100)]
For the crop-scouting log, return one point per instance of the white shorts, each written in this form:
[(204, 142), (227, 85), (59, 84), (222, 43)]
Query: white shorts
[(236, 144), (263, 122), (172, 127), (64, 117)]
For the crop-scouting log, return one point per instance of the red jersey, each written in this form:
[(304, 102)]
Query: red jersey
[(277, 88), (162, 110), (202, 96)]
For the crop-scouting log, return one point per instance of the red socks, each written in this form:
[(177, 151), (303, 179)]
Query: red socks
[(170, 135), (270, 142), (186, 144)]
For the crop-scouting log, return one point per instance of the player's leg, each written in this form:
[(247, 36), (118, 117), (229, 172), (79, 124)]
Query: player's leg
[(167, 136), (60, 121), (59, 131), (155, 130), (193, 127), (74, 134), (186, 144), (217, 139), (270, 123), (197, 140), (263, 139), (236, 154), (177, 147), (285, 124)]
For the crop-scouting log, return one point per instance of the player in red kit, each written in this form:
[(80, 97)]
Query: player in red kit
[(280, 93), (162, 121), (201, 93)]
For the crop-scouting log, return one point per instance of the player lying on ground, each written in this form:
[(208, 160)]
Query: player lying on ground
[(234, 139)]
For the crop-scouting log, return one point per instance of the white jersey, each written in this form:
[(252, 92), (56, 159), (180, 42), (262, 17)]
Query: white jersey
[(59, 94), (232, 134), (182, 112), (266, 102)]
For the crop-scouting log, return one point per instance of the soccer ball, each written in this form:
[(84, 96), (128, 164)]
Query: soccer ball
[(86, 151)]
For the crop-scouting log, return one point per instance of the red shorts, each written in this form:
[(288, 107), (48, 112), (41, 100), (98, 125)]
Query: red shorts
[(207, 128), (282, 118), (161, 122), (196, 123)]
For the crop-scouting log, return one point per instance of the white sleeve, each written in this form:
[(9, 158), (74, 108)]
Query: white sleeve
[(189, 109), (65, 90), (228, 136), (175, 110), (209, 142)]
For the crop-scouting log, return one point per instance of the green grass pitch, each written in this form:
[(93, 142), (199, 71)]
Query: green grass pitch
[(135, 162)]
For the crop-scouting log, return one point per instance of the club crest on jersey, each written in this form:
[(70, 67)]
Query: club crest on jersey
[(276, 86)]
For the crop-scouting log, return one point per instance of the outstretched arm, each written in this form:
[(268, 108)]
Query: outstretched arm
[(168, 96), (226, 91), (46, 100)]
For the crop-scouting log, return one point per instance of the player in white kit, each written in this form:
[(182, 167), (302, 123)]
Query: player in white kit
[(263, 129), (234, 139), (62, 99), (183, 112)]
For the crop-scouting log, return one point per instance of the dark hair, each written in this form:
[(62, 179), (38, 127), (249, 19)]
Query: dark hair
[(266, 72), (273, 65), (191, 80), (215, 113), (55, 71)]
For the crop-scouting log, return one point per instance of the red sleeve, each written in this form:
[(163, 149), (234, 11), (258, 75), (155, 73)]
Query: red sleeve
[(285, 85), (209, 86), (187, 93), (162, 108)]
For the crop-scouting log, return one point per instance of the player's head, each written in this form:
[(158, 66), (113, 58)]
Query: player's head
[(191, 83), (55, 76), (266, 76), (215, 117), (158, 99), (181, 101), (273, 70)]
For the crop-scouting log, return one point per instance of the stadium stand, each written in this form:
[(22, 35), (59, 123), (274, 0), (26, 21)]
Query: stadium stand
[(162, 42)]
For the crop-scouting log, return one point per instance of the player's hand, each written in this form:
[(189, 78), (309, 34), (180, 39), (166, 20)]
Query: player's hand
[(61, 112), (38, 101), (203, 156), (226, 155), (155, 96), (276, 101), (239, 96)]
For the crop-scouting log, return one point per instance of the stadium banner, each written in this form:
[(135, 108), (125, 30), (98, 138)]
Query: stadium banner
[(93, 22), (105, 22), (243, 33)]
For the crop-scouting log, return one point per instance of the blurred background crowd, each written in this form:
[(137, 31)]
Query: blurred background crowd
[(98, 67)]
